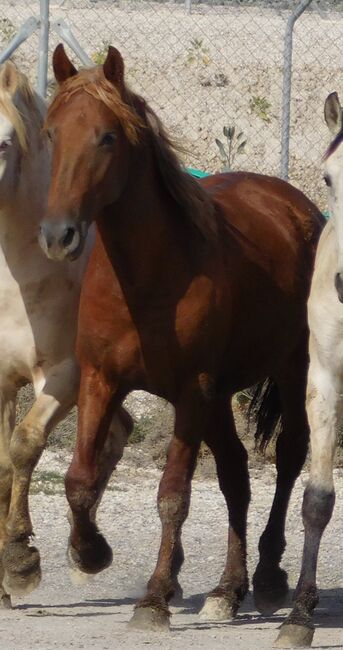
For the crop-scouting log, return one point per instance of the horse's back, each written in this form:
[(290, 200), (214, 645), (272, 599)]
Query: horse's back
[(276, 225), (254, 202)]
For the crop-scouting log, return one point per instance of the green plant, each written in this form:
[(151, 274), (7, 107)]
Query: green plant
[(99, 57), (198, 53), (140, 430), (235, 144), (261, 107), (7, 29), (48, 482)]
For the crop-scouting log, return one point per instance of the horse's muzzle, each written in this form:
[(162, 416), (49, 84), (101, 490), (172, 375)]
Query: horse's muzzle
[(61, 240)]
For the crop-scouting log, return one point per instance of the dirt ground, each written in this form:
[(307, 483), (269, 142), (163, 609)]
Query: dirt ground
[(94, 616)]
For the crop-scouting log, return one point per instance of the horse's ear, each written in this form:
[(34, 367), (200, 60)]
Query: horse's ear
[(9, 78), (62, 66), (333, 114), (114, 67)]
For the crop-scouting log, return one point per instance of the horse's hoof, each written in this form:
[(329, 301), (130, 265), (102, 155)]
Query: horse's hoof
[(77, 577), (218, 608), (93, 557), (178, 593), (294, 636), (271, 592), (22, 572), (150, 618), (5, 601)]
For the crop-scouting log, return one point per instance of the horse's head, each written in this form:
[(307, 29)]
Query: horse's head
[(91, 124), (333, 176), (21, 121), (15, 95)]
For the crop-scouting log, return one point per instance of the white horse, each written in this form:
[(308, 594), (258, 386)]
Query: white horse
[(38, 313), (325, 386)]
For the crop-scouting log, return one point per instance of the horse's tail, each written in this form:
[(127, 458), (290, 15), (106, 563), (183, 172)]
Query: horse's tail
[(265, 410)]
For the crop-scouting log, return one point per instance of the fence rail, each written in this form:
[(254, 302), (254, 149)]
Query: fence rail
[(242, 83)]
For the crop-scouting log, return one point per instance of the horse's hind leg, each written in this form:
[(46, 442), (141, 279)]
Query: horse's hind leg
[(231, 460), (324, 408), (270, 581), (191, 415), (88, 550), (21, 561), (7, 422)]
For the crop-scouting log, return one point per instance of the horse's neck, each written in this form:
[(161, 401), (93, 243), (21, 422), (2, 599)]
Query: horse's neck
[(143, 233), (21, 206), (21, 209)]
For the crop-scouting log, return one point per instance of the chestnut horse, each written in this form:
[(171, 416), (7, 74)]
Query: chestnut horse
[(193, 291)]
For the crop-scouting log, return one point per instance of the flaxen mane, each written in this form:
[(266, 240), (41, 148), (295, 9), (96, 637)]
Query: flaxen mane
[(25, 110), (137, 119)]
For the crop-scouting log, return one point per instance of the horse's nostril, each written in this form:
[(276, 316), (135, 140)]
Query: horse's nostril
[(68, 237)]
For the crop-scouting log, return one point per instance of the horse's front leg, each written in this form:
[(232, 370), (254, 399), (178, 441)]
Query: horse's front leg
[(324, 404), (103, 429), (7, 422), (191, 416), (21, 560)]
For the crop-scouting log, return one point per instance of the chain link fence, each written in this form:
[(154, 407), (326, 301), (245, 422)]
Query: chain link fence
[(213, 72)]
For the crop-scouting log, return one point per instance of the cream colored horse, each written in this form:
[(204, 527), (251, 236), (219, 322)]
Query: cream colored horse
[(325, 386), (38, 313)]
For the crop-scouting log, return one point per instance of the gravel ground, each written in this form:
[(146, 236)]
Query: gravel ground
[(94, 616)]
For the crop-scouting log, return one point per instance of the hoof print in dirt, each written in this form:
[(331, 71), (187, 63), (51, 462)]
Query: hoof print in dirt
[(149, 618), (294, 636), (218, 608)]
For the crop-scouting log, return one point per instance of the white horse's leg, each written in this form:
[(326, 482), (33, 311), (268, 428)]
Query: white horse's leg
[(21, 561), (7, 422), (324, 402)]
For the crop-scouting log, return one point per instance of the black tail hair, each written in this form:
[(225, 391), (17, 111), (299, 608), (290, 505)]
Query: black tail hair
[(265, 410)]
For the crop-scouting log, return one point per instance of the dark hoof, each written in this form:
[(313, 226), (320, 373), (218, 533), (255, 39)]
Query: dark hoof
[(270, 591), (94, 556), (22, 572), (294, 636), (150, 618), (178, 594), (5, 601), (218, 608)]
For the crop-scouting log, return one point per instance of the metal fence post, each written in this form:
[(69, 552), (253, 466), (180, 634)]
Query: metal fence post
[(42, 74), (287, 87), (188, 6)]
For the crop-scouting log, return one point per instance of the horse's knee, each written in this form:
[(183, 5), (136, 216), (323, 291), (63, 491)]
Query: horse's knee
[(317, 507), (173, 509), (27, 444), (81, 489)]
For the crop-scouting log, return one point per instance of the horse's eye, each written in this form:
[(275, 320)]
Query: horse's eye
[(327, 180), (107, 140)]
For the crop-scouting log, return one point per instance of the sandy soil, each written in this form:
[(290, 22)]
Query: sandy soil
[(94, 616)]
